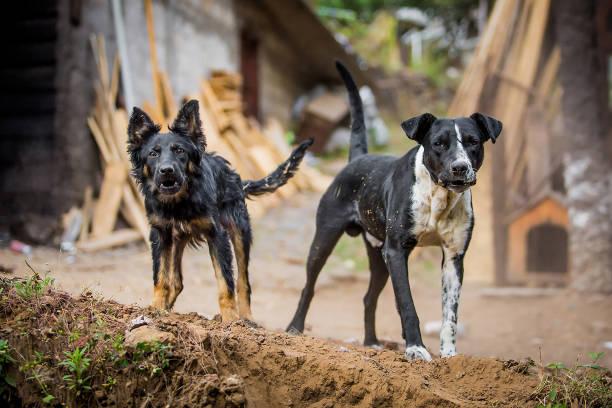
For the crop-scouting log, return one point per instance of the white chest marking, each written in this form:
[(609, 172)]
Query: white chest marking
[(440, 215)]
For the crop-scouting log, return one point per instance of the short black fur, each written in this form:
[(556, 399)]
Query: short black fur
[(372, 196)]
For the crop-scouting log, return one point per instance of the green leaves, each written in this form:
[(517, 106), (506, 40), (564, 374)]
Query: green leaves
[(77, 364), (34, 286)]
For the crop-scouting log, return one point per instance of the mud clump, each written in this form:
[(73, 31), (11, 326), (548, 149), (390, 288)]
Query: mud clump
[(188, 361)]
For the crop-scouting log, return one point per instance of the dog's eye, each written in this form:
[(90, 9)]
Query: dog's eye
[(473, 142), (439, 144), (178, 150), (153, 153)]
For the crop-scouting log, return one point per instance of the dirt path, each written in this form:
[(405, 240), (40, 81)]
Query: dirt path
[(563, 326)]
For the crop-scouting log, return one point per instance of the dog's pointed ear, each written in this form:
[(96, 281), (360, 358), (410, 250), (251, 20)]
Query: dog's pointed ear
[(188, 123), (490, 127), (416, 128), (140, 128)]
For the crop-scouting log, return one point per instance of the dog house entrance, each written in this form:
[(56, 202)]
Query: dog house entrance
[(547, 249)]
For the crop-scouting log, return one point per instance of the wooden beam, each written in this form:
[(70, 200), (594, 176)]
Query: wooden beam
[(114, 239)]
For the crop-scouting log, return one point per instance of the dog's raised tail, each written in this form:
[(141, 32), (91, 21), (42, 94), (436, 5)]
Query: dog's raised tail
[(359, 140), (278, 177)]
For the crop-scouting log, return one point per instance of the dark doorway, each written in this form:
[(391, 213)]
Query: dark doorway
[(249, 68), (547, 249)]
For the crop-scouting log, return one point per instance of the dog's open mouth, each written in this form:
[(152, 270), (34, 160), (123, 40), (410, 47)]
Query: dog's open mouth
[(169, 186), (460, 185)]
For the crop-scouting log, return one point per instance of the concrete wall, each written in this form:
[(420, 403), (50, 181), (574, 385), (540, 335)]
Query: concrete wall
[(192, 37)]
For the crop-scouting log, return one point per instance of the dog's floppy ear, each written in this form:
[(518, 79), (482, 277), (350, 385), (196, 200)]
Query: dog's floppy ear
[(416, 128), (489, 126), (188, 123), (140, 128)]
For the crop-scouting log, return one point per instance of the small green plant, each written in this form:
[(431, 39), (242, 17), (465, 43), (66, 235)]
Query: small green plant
[(110, 382), (77, 364), (33, 286), (160, 354), (6, 380), (584, 385), (37, 371), (117, 354)]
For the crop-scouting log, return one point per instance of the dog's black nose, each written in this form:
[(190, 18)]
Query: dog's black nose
[(166, 170), (459, 168)]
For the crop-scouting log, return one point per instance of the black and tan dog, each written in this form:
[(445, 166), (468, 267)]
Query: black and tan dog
[(193, 196), (396, 204)]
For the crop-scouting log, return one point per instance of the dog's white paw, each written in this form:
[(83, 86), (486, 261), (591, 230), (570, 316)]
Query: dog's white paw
[(417, 353)]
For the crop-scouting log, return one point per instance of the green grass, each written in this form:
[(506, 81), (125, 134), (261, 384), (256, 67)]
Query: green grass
[(583, 385), (33, 286)]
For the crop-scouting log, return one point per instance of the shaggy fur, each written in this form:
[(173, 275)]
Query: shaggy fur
[(193, 196)]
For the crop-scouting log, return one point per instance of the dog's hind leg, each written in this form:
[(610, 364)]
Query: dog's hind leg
[(221, 255), (241, 240), (322, 245), (378, 279)]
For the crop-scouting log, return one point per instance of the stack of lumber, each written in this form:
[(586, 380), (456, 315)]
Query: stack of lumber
[(118, 193), (253, 151), (513, 72)]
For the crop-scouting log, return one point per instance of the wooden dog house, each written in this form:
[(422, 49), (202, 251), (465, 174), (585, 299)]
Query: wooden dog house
[(538, 245), (521, 230)]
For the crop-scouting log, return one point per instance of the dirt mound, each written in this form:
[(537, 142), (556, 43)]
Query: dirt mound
[(72, 351)]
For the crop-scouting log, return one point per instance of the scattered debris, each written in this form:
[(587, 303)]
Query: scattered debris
[(20, 248), (147, 334), (141, 320)]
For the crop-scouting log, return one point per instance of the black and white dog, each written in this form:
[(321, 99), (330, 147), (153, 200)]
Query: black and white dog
[(420, 199)]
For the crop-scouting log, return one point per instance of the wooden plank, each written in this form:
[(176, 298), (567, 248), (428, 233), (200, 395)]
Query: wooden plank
[(114, 239), (88, 204), (105, 213), (210, 99), (169, 104), (156, 115), (100, 139), (136, 214), (148, 4), (486, 59)]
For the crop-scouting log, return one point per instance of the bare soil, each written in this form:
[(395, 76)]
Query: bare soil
[(228, 365), (562, 326)]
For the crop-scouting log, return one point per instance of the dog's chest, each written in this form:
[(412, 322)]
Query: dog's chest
[(188, 228), (440, 216)]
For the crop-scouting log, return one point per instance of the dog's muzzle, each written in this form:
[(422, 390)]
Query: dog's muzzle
[(168, 184), (460, 177)]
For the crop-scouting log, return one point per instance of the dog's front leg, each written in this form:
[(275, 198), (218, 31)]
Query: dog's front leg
[(396, 258), (221, 254), (161, 250), (452, 278)]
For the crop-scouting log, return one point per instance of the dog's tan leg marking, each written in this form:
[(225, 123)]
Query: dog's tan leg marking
[(161, 289), (227, 302), (175, 281), (242, 288)]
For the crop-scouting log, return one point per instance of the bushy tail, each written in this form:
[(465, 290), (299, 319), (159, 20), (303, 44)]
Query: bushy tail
[(278, 177), (359, 140)]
